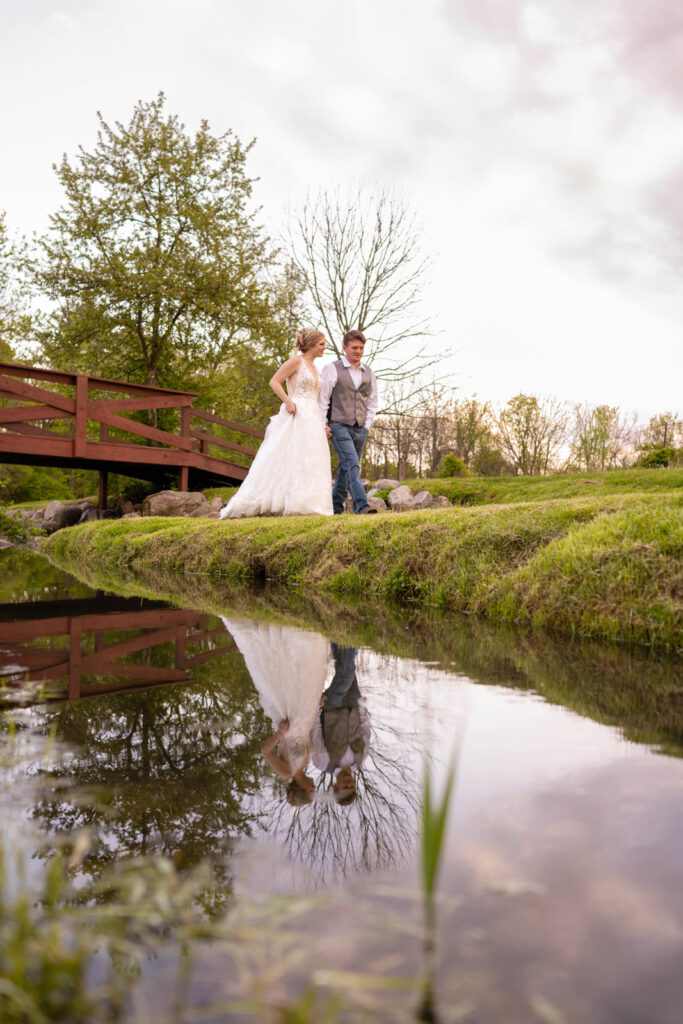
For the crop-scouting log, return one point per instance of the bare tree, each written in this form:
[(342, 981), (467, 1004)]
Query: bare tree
[(435, 424), (360, 259), (531, 432)]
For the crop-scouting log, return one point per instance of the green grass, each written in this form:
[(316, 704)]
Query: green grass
[(483, 490), (219, 492), (605, 566)]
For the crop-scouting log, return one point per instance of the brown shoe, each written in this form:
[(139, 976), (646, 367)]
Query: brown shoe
[(369, 511)]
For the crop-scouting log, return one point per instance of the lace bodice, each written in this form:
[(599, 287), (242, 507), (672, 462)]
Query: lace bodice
[(307, 384)]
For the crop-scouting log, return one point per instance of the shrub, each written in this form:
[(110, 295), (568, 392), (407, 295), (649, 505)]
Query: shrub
[(659, 457), (451, 465)]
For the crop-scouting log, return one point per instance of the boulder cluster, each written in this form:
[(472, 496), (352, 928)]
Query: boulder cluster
[(400, 497), (59, 514)]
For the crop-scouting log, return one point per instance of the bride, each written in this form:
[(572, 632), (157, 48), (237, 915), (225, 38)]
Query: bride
[(291, 473)]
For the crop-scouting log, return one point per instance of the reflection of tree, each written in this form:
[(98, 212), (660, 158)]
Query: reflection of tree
[(171, 771), (375, 833)]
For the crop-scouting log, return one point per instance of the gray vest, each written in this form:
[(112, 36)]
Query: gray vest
[(349, 404)]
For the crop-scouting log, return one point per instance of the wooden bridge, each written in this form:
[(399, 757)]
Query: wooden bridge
[(79, 424), (74, 649)]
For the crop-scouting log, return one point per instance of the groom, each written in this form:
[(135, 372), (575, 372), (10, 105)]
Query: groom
[(348, 402)]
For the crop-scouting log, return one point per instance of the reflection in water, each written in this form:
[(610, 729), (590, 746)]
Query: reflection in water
[(98, 645), (287, 667), (561, 871), (320, 743)]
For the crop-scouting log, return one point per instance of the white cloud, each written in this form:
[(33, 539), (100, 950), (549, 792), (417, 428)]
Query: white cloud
[(540, 142)]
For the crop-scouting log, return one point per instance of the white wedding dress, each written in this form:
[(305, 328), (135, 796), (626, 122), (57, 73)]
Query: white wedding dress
[(291, 473), (288, 667)]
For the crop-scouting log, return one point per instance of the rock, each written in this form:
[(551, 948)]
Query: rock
[(131, 515), (377, 503), (209, 510), (440, 501), (401, 499), (38, 516), (383, 485), (173, 503), (372, 492), (58, 515), (126, 508), (89, 515), (423, 499)]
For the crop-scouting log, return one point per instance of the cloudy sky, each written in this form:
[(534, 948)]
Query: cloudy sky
[(540, 143)]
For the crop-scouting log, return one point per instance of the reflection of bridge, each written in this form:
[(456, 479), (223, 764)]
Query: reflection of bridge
[(80, 644), (188, 452)]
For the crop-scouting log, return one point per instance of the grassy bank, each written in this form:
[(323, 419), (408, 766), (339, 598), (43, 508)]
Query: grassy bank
[(484, 490), (623, 687), (603, 566)]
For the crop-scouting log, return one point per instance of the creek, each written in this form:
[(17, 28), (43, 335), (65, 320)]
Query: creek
[(140, 725)]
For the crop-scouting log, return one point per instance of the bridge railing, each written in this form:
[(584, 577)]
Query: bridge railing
[(66, 653), (76, 437)]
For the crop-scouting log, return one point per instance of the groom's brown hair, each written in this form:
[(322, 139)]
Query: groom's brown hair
[(353, 336)]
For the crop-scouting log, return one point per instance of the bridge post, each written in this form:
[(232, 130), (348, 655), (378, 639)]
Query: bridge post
[(81, 415), (74, 659), (184, 474), (102, 496)]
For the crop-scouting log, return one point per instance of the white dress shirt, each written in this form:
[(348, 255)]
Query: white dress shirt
[(328, 378)]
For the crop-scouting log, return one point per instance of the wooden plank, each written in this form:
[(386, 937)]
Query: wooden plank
[(33, 431), (19, 413), (37, 373), (149, 672), (197, 659), (221, 442), (81, 415), (125, 647), (136, 404), (132, 685), (30, 629), (31, 659), (141, 429), (146, 619), (74, 659), (240, 427), (101, 383), (52, 444), (33, 394)]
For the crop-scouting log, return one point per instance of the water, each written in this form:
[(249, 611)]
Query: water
[(141, 726)]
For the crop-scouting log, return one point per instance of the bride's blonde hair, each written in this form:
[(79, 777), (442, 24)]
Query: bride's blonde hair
[(306, 338)]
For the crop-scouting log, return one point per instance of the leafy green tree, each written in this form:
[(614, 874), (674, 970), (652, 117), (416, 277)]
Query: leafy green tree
[(663, 431), (158, 269), (532, 431), (602, 437), (16, 315), (475, 439)]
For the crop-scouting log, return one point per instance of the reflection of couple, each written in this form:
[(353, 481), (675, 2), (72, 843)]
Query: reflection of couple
[(291, 473), (328, 727)]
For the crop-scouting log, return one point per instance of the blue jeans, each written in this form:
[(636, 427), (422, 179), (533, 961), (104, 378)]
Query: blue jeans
[(348, 442)]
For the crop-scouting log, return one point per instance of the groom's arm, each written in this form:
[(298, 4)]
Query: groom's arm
[(373, 404), (328, 378)]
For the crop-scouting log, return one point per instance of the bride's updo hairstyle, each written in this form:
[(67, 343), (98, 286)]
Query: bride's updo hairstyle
[(306, 338)]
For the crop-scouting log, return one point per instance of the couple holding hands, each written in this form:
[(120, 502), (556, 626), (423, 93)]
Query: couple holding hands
[(291, 473)]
